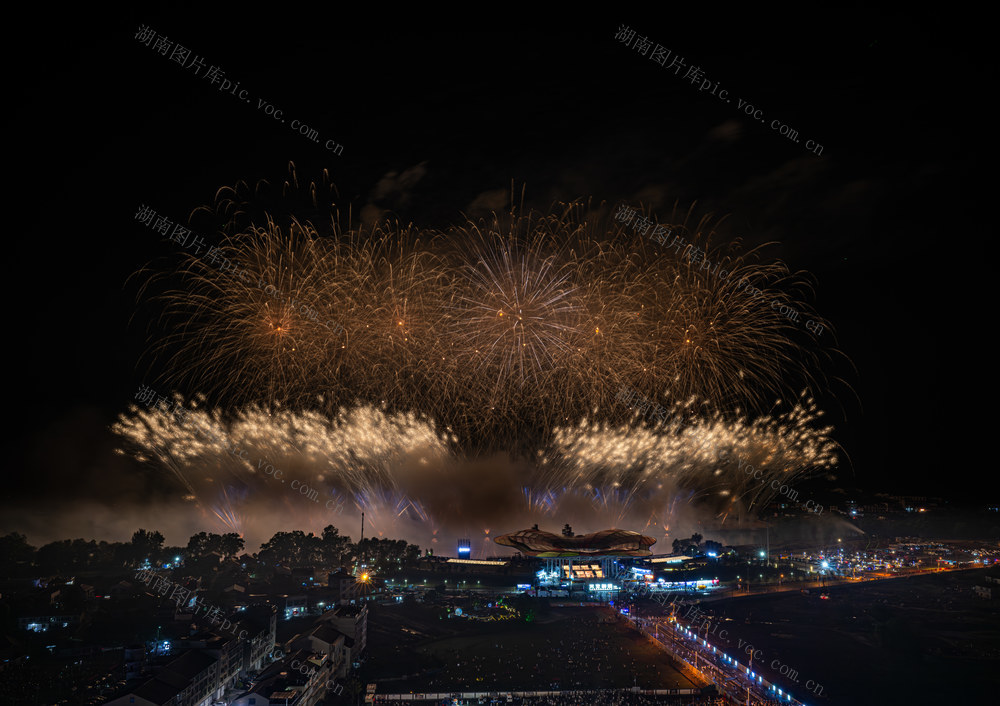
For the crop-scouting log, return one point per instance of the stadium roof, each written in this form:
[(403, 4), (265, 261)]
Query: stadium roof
[(609, 542)]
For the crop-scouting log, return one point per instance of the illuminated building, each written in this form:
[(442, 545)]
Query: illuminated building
[(584, 562)]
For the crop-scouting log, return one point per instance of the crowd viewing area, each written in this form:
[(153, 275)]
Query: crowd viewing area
[(606, 697)]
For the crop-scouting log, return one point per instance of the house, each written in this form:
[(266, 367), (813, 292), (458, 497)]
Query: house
[(300, 679), (325, 639), (352, 620), (293, 606), (212, 663), (189, 680), (344, 586)]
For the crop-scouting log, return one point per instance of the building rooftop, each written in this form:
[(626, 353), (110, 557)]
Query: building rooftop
[(326, 632), (174, 677), (609, 542)]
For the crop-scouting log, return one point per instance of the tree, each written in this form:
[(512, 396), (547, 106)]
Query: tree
[(312, 550), (281, 548), (106, 553), (290, 548), (386, 556), (14, 549), (172, 552), (122, 554), (152, 540), (145, 545), (199, 545), (334, 546), (68, 556), (84, 554), (202, 544), (231, 544), (56, 557), (412, 555)]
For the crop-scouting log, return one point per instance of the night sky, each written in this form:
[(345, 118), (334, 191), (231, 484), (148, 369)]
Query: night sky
[(438, 116)]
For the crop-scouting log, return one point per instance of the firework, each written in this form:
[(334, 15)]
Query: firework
[(500, 329), (385, 365), (404, 473), (700, 460)]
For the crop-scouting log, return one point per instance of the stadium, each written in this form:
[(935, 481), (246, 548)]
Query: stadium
[(580, 564)]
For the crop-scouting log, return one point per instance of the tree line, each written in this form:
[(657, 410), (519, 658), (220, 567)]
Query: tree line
[(204, 550)]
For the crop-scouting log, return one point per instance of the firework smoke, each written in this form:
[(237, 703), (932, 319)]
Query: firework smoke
[(500, 329), (411, 479), (467, 376)]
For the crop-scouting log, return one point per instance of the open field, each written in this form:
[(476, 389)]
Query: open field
[(567, 648), (917, 640)]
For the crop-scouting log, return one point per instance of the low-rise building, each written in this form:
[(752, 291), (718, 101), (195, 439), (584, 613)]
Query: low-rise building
[(345, 587), (44, 623), (325, 639), (352, 620), (211, 664), (192, 679)]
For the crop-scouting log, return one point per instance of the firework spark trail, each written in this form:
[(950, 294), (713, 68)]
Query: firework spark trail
[(511, 333), (399, 466), (497, 328), (226, 508), (704, 456), (354, 454)]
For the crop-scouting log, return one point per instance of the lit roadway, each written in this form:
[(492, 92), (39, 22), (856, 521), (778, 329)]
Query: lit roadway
[(739, 683), (823, 582)]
